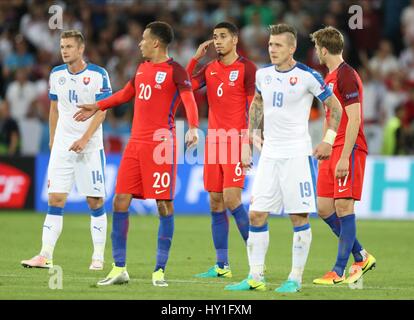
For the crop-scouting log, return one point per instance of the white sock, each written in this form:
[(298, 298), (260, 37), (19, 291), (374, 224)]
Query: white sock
[(52, 228), (300, 250), (98, 232), (257, 245)]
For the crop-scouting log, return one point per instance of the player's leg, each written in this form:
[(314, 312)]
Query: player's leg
[(60, 183), (128, 184), (98, 228), (297, 181), (266, 197), (165, 235), (120, 225), (257, 245), (232, 201), (327, 211), (220, 234), (90, 182)]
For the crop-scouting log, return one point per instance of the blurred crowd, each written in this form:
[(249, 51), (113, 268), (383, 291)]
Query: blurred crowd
[(382, 52)]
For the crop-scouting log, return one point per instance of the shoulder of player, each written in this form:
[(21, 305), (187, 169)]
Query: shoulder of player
[(59, 68), (309, 72), (345, 71), (264, 69), (95, 68)]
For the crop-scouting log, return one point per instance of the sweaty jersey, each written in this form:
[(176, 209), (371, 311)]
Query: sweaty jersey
[(71, 89), (230, 89), (156, 89), (287, 99), (347, 86)]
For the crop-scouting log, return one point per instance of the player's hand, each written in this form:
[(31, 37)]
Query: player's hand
[(85, 111), (342, 168), (322, 151), (257, 142), (246, 156), (191, 137), (202, 49), (78, 145)]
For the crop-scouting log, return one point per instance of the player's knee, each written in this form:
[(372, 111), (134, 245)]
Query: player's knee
[(57, 200), (216, 202), (121, 202), (94, 202), (165, 208), (324, 212), (257, 219), (344, 207), (231, 201)]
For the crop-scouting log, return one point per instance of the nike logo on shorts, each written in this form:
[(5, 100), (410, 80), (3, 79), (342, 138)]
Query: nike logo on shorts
[(342, 190), (159, 191), (213, 73), (236, 179)]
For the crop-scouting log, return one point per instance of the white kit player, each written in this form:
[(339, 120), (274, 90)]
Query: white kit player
[(285, 176), (77, 154)]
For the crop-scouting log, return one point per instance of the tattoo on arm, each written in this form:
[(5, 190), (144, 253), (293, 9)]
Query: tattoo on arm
[(336, 113), (255, 113)]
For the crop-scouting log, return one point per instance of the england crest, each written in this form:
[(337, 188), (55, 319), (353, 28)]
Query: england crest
[(234, 75), (86, 80), (160, 77), (293, 80)]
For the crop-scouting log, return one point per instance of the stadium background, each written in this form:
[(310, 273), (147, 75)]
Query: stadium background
[(383, 53)]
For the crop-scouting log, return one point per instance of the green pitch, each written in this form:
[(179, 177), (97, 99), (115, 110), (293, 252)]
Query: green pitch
[(192, 252)]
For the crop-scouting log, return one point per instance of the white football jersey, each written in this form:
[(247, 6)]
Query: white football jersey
[(287, 99), (71, 89)]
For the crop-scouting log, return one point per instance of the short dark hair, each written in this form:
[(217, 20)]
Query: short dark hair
[(329, 38), (73, 34), (162, 30), (229, 26)]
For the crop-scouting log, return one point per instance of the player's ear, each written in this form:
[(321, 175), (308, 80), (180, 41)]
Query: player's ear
[(235, 39)]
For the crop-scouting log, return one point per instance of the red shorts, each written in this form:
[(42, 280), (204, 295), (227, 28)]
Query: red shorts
[(348, 187), (141, 175), (222, 167)]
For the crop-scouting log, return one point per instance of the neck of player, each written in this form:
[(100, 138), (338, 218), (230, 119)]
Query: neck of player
[(160, 57), (229, 58), (77, 66), (287, 65), (333, 62)]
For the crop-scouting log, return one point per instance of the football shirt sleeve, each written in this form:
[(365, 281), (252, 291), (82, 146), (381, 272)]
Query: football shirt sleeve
[(198, 80), (317, 86), (347, 85), (52, 88), (249, 80), (104, 89), (120, 97), (183, 83)]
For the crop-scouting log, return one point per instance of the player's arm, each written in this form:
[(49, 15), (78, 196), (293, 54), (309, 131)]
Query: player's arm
[(198, 80), (252, 135), (348, 88), (353, 112), (120, 97), (183, 83), (97, 120), (53, 119)]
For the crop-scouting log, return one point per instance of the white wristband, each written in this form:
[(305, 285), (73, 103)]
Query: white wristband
[(330, 137)]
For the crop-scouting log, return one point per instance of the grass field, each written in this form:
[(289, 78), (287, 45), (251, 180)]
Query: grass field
[(192, 251)]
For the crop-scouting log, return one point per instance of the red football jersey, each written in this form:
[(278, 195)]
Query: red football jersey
[(156, 89), (347, 86), (230, 89)]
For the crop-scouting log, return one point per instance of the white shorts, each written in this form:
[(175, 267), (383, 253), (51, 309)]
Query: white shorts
[(284, 183), (85, 169)]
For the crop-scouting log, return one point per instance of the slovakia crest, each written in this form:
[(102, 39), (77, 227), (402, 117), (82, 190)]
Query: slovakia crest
[(86, 80), (293, 80), (234, 75), (160, 77)]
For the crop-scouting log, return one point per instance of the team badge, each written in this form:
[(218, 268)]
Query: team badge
[(160, 77), (330, 85), (86, 80), (234, 75), (293, 80), (268, 79), (62, 80)]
